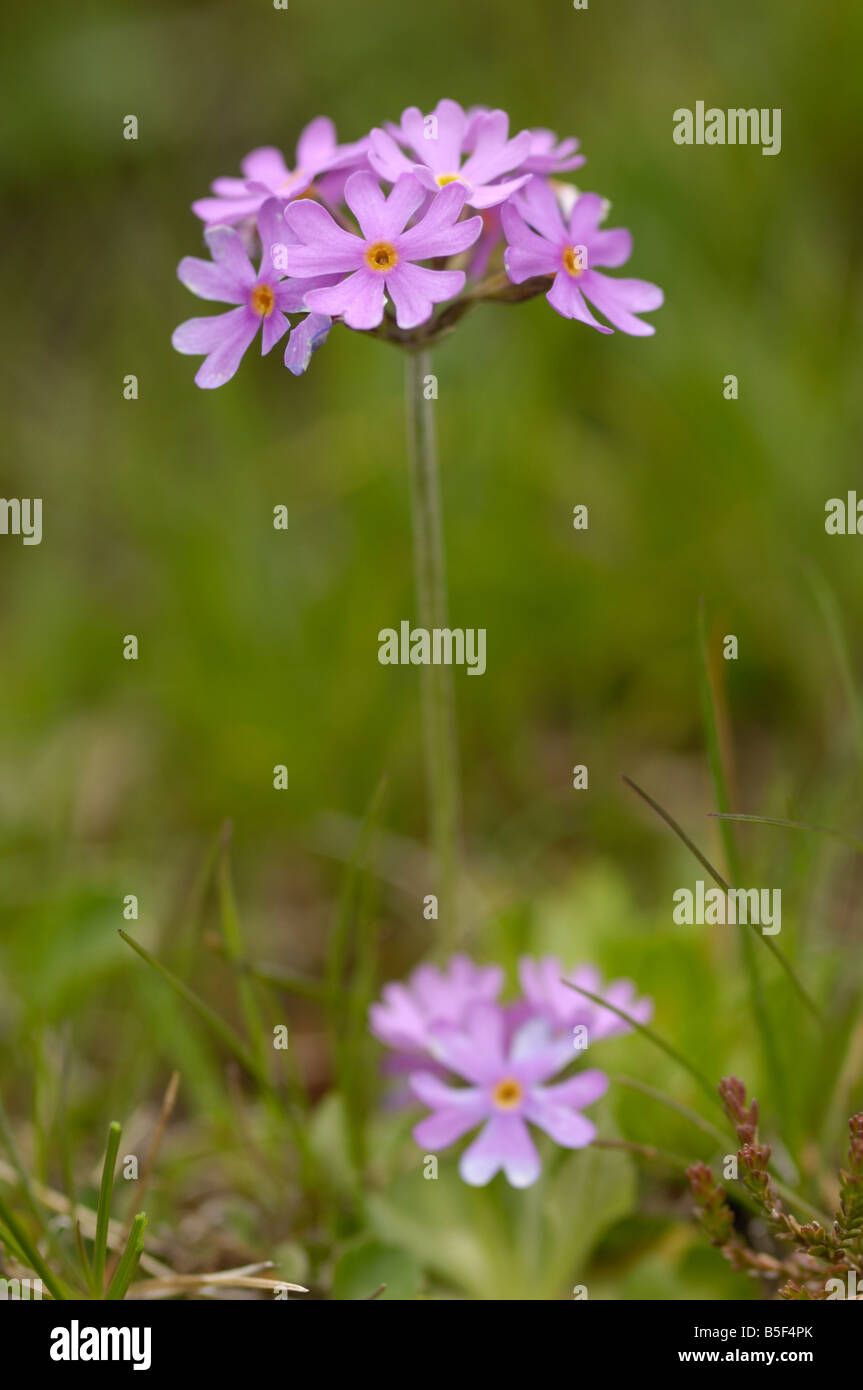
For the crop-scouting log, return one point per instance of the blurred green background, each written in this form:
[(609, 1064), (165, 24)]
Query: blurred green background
[(259, 647)]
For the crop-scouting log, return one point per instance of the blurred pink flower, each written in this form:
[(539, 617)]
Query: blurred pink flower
[(505, 1092), (563, 1008)]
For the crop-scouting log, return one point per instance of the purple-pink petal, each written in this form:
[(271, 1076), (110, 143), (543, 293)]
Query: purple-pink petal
[(435, 1093), (272, 231), (504, 1142), (325, 247), (491, 195), (539, 206), (443, 1127), (309, 334), (415, 290), (566, 297), (610, 248), (621, 299), (458, 1049), (226, 210), (447, 145), (227, 250), (274, 327), (386, 158), (381, 217), (358, 299), (522, 265), (224, 345), (585, 217), (316, 143), (566, 1127), (201, 335), (265, 165), (209, 281), (577, 1091), (438, 232)]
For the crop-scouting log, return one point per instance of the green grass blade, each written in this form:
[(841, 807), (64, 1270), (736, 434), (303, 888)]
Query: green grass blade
[(132, 1253), (301, 986), (56, 1250), (30, 1253), (719, 756), (83, 1258), (726, 887), (353, 930), (103, 1211), (850, 840), (831, 613), (666, 1047), (684, 1110), (10, 1146), (223, 1031), (232, 937), (339, 941)]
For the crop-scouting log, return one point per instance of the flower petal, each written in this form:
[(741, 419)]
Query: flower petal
[(443, 1127), (226, 211), (386, 158), (274, 327), (366, 201), (475, 1050), (316, 144), (566, 297), (439, 233), (539, 206), (612, 248), (310, 334), (585, 217), (491, 195), (272, 231), (196, 337), (566, 1127), (265, 165), (437, 1095), (620, 300), (504, 1142), (442, 150), (524, 265), (227, 250), (358, 299), (209, 281), (415, 290), (577, 1091), (237, 329), (326, 246)]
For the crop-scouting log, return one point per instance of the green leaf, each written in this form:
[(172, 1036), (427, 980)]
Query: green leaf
[(592, 1189), (361, 1270)]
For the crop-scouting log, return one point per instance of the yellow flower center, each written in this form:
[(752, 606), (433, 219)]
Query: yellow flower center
[(381, 256), (574, 261), (443, 179), (507, 1095), (262, 300)]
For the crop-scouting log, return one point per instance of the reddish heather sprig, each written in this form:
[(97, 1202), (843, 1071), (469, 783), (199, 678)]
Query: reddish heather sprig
[(818, 1255)]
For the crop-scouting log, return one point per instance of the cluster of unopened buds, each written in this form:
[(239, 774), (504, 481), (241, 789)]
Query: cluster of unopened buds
[(397, 235), (448, 1026)]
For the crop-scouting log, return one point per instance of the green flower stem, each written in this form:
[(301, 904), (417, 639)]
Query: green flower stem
[(438, 696)]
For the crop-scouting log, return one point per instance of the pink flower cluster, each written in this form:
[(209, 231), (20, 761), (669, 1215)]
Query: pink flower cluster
[(446, 1025), (345, 235)]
